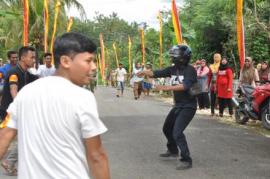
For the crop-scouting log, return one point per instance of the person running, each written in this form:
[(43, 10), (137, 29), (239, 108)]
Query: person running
[(48, 68), (57, 120), (147, 82), (120, 78), (137, 81), (16, 79), (183, 76)]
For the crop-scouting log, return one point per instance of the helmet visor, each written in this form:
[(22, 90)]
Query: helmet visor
[(174, 52)]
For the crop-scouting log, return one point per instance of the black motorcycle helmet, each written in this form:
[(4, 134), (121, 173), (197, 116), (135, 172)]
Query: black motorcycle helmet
[(180, 54)]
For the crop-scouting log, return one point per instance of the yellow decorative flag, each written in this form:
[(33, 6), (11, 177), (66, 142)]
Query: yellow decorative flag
[(46, 25), (25, 21), (240, 32), (176, 23), (129, 55), (160, 40), (116, 57), (108, 64), (70, 23), (57, 6), (143, 48), (102, 59), (99, 63)]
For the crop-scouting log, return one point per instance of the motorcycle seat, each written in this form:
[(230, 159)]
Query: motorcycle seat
[(248, 90)]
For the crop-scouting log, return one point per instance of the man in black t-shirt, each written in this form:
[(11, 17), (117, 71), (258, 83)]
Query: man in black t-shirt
[(17, 77), (183, 76)]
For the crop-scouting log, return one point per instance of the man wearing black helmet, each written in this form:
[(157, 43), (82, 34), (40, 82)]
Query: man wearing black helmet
[(183, 76)]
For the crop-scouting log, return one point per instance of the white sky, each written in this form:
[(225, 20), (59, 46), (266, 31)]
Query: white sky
[(129, 10)]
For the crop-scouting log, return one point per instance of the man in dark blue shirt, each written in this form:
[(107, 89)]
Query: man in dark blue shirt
[(183, 76)]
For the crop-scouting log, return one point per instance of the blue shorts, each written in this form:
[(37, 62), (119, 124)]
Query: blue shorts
[(147, 85)]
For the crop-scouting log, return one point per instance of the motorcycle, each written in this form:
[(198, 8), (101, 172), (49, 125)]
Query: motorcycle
[(253, 103)]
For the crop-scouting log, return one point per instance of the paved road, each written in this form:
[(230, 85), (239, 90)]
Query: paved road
[(135, 139)]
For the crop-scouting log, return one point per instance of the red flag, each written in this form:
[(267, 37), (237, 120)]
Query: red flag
[(25, 21), (240, 32), (176, 23)]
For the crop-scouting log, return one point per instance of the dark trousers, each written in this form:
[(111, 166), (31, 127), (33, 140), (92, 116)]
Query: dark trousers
[(173, 128), (203, 100), (213, 98), (223, 102)]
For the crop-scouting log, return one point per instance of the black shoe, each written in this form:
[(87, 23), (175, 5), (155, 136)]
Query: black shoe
[(168, 154), (117, 96), (135, 98), (183, 165)]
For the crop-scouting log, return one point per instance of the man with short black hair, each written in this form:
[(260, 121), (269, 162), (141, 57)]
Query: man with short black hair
[(17, 77), (47, 69), (12, 58), (120, 78), (57, 120)]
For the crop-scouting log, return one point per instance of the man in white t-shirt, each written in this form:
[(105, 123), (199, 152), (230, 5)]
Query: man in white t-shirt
[(120, 78), (48, 68), (57, 120), (137, 81)]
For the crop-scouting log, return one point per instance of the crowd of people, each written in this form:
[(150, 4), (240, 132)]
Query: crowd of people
[(18, 72), (217, 81), (64, 113), (56, 119), (119, 78)]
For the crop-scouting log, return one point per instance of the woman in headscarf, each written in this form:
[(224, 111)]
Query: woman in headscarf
[(224, 87), (202, 77), (212, 81), (264, 72), (248, 75)]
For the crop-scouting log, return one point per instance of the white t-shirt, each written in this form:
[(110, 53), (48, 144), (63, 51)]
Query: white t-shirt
[(53, 116), (43, 71), (120, 74), (135, 77)]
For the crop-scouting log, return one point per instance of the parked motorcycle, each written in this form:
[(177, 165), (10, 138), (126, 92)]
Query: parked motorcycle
[(253, 103)]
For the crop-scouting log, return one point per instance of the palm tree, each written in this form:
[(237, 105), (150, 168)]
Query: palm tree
[(11, 21)]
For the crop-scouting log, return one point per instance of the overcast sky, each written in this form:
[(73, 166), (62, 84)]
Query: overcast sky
[(129, 10)]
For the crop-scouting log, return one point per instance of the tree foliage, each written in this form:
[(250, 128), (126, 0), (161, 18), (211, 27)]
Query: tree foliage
[(208, 26)]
